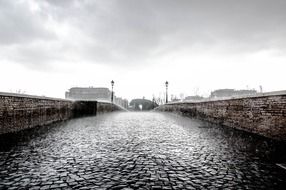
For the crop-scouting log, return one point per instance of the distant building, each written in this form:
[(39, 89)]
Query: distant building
[(175, 99), (121, 102), (193, 98), (224, 93), (90, 93)]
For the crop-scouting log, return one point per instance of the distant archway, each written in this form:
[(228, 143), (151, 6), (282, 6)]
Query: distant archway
[(142, 104)]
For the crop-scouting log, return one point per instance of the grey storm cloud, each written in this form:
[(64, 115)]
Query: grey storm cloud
[(130, 31), (19, 26)]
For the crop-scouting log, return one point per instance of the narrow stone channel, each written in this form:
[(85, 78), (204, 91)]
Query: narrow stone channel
[(139, 150)]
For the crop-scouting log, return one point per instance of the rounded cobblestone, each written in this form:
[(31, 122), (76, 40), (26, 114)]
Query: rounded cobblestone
[(141, 150)]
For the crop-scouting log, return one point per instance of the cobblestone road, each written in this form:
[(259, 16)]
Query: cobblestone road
[(139, 151)]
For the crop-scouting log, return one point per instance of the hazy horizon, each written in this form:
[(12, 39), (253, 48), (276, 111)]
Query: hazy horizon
[(47, 47)]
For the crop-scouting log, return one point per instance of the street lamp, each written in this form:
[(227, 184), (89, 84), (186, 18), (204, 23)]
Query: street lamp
[(166, 83), (112, 84)]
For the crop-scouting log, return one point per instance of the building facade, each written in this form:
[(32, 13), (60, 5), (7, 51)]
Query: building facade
[(90, 93), (122, 102)]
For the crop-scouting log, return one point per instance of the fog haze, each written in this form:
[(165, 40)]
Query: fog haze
[(49, 46)]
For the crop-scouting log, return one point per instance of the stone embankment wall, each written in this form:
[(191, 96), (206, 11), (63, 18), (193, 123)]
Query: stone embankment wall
[(263, 115), (18, 112), (103, 107), (85, 108)]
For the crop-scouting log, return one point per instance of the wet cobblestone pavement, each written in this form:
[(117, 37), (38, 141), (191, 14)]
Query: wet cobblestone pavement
[(139, 151)]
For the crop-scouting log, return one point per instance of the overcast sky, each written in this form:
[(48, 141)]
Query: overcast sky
[(48, 46)]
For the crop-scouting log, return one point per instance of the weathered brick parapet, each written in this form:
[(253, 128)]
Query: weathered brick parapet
[(19, 112), (263, 115)]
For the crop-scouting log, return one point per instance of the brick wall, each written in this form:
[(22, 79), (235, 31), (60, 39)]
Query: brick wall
[(19, 112), (22, 112), (263, 115)]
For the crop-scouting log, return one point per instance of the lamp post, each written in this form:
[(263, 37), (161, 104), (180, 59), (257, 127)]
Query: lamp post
[(112, 84), (166, 83)]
